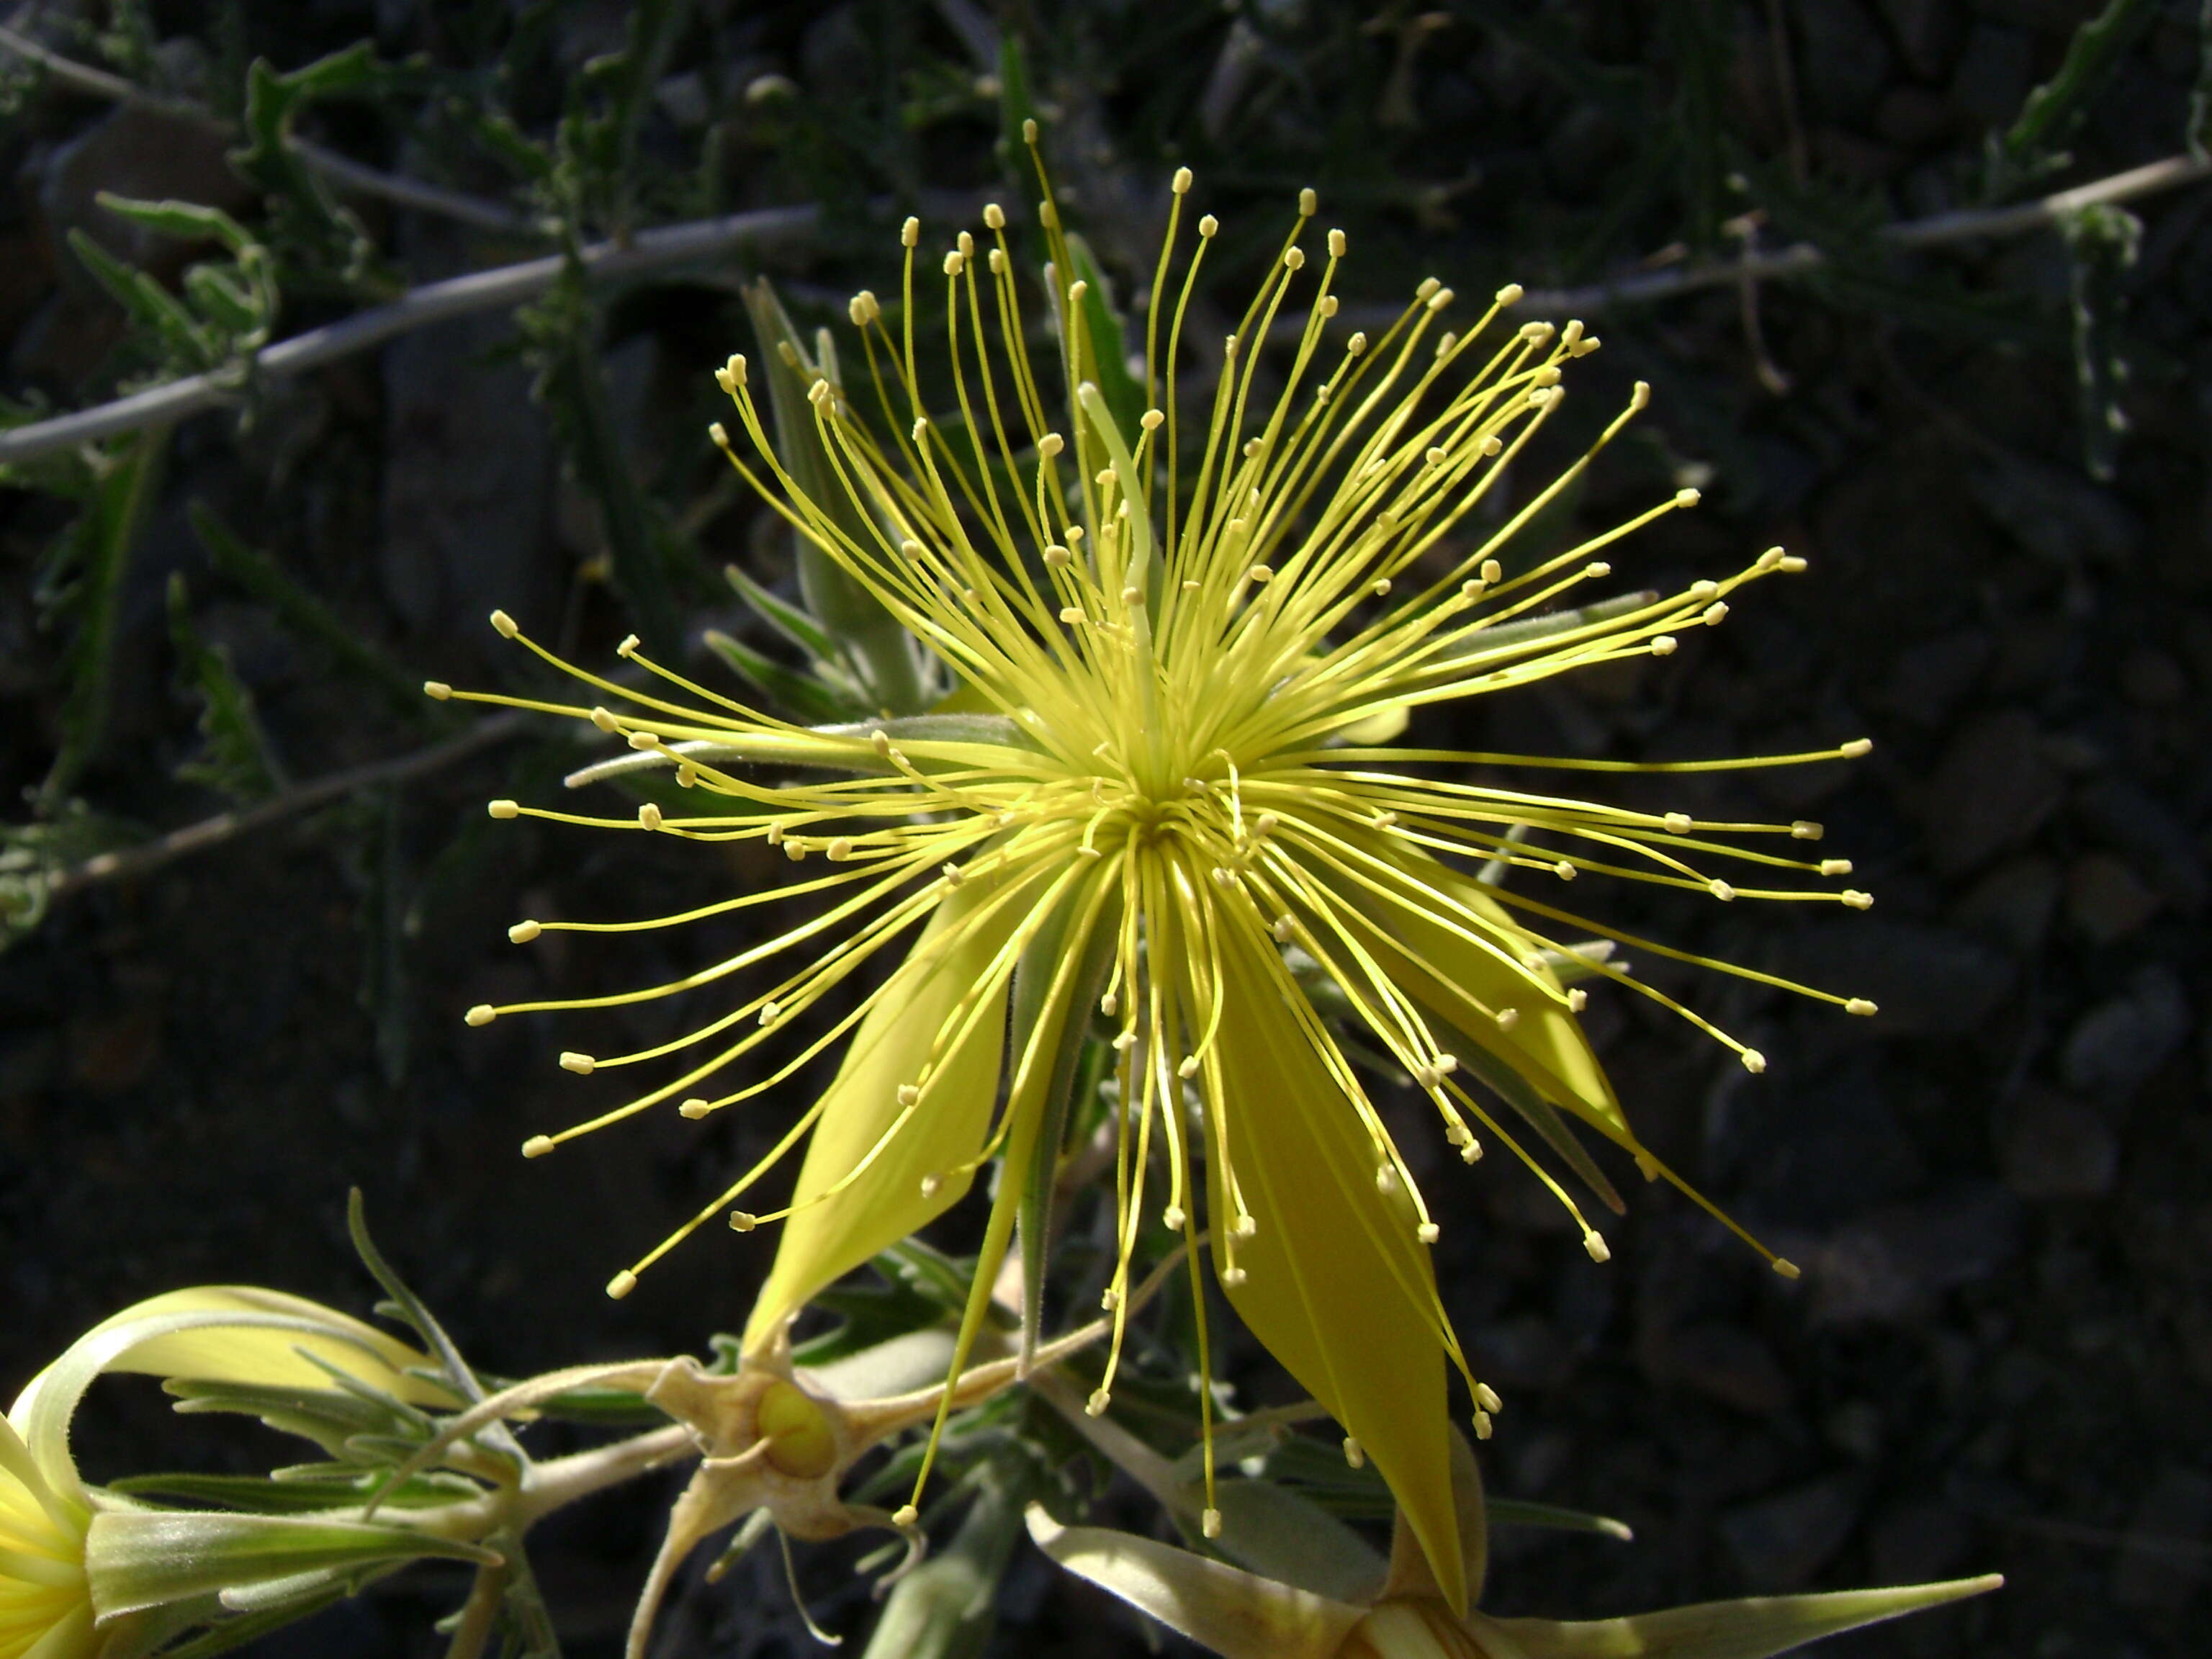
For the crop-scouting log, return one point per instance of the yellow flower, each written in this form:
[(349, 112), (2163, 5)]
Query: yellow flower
[(212, 1333), (1166, 788), (45, 1609)]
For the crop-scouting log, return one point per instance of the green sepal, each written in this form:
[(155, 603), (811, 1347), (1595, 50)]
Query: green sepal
[(313, 1487), (139, 1559)]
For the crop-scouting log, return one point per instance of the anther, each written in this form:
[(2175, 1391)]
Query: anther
[(931, 1185), (1577, 999), (1058, 557), (1386, 1180), (1861, 1006), (1352, 1454), (1704, 588), (1547, 376), (1792, 564), (1440, 299), (775, 834), (1356, 344), (1492, 572), (1434, 457), (1856, 748), (645, 740), (743, 1221), (1182, 181), (1678, 824), (733, 372), (1294, 258), (1336, 245), (1483, 1426), (1109, 1004), (863, 308), (582, 1065), (523, 932), (770, 1012), (1720, 890), (1260, 575), (905, 1515), (1470, 1151), (1856, 899), (1564, 871), (1686, 498), (1486, 1397), (908, 1094), (694, 1109), (538, 1146), (1125, 1041), (1768, 560), (1284, 929), (910, 232), (1208, 226), (1509, 295), (1232, 1277), (1429, 285), (1308, 203), (483, 1014), (1152, 419), (1071, 614), (503, 809), (1662, 644), (622, 1283), (1096, 1405), (629, 643), (953, 875), (1598, 1248), (687, 774), (1427, 1232), (1209, 1523), (1714, 612), (437, 688), (1597, 570), (1379, 586), (1571, 335), (504, 624), (1187, 1067), (1754, 1061), (1806, 829), (1245, 1227), (1173, 1218), (1507, 1019), (1134, 598), (649, 816), (605, 721), (1786, 1268), (1835, 866)]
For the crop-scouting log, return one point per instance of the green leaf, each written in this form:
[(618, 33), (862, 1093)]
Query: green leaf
[(237, 759), (102, 541), (188, 221), (307, 615), (789, 620), (2051, 109), (945, 1608), (1107, 361), (2102, 241), (1519, 1512), (881, 653), (802, 695)]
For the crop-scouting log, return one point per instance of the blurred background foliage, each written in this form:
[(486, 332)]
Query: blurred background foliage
[(247, 885)]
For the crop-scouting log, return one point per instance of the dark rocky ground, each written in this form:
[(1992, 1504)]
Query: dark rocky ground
[(2001, 1189)]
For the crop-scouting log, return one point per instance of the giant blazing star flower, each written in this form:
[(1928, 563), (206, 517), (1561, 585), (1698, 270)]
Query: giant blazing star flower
[(1167, 790)]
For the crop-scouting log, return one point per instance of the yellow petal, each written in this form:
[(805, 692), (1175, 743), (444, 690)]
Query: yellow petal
[(1335, 1283), (886, 1201), (1237, 1614), (264, 1357), (1752, 1629), (1544, 1044)]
